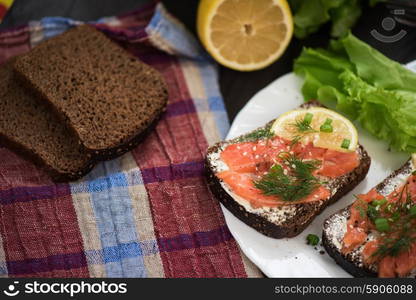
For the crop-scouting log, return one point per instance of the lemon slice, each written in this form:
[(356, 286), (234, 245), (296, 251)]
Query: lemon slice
[(323, 127), (245, 35)]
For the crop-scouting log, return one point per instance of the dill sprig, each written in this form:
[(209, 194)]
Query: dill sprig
[(394, 246), (361, 206), (263, 133), (400, 220), (304, 126), (294, 141), (293, 184)]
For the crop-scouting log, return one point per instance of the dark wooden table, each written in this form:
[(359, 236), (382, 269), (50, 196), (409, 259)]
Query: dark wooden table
[(237, 87)]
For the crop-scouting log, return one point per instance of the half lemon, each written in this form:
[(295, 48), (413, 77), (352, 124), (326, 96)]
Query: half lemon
[(320, 126), (245, 35)]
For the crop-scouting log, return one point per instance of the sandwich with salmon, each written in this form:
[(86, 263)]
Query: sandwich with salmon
[(278, 178), (376, 235)]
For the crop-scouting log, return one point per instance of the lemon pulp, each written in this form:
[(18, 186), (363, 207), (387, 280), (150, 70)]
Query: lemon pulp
[(343, 137), (245, 34)]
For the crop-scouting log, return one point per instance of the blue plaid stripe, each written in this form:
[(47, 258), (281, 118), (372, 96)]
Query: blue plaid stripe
[(215, 101), (3, 268), (182, 43), (53, 26), (114, 217), (113, 254)]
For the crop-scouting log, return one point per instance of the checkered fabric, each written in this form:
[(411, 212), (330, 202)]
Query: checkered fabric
[(148, 213)]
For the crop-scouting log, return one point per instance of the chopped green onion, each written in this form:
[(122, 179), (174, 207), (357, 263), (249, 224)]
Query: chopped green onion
[(308, 118), (379, 202), (414, 173), (345, 143), (328, 121), (382, 224), (327, 127), (312, 239)]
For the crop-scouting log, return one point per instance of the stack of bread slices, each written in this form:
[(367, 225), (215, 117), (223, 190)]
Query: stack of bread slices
[(77, 99)]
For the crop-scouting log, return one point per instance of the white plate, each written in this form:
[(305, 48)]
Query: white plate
[(292, 257)]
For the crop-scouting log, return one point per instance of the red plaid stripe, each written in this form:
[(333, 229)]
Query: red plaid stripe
[(16, 172), (42, 238), (3, 10), (14, 42)]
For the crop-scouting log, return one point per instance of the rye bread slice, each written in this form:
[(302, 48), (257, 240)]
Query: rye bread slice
[(28, 127), (105, 95), (335, 228), (287, 220)]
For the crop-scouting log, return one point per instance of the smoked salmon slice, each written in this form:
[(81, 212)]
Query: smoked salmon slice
[(248, 161)]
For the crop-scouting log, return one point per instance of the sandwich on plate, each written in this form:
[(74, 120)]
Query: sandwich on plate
[(376, 235), (278, 178)]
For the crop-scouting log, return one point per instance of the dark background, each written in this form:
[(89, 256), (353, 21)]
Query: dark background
[(237, 87)]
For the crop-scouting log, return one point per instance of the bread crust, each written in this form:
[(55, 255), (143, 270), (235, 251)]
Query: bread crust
[(33, 157), (348, 263), (58, 176), (84, 161), (86, 158), (23, 73), (304, 212)]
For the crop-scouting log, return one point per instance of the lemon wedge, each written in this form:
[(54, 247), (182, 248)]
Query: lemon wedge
[(320, 126), (245, 35)]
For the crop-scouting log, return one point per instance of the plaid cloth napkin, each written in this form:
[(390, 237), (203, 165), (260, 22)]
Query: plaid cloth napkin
[(148, 213), (4, 6)]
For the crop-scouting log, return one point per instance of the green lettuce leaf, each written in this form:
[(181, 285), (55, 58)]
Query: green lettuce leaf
[(310, 15), (344, 17), (366, 86)]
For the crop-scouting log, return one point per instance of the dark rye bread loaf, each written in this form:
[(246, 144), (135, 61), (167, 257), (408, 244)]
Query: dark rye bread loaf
[(287, 220), (335, 228), (28, 127), (107, 96)]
